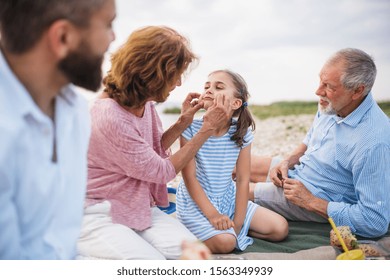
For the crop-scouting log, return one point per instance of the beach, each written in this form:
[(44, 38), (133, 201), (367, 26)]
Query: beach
[(276, 136), (279, 136)]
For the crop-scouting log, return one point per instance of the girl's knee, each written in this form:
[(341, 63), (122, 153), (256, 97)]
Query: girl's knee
[(222, 243), (280, 229)]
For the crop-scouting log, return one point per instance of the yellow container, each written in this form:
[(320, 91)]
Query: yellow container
[(351, 255)]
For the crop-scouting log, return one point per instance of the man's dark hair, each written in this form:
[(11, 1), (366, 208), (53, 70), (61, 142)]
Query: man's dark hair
[(22, 22)]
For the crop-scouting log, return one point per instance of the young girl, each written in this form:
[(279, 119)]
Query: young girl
[(209, 203)]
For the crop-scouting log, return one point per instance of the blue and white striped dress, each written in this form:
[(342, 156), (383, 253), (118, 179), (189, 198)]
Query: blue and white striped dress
[(215, 162)]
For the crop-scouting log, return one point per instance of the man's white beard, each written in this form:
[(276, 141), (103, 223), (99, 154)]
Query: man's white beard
[(328, 110)]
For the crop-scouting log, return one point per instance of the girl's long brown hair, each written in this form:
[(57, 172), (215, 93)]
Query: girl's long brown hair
[(245, 119), (147, 66)]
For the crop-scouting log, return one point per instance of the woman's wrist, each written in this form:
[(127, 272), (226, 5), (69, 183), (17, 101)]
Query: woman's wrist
[(181, 124)]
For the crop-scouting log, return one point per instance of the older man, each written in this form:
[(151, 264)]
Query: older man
[(44, 124), (341, 170)]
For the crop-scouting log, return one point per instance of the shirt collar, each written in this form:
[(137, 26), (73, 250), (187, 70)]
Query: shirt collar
[(68, 93), (354, 118), (19, 98)]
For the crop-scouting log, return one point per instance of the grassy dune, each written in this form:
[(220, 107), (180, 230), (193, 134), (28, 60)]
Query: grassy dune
[(296, 108), (286, 108)]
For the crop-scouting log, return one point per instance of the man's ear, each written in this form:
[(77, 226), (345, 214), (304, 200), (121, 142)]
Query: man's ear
[(358, 92), (63, 36)]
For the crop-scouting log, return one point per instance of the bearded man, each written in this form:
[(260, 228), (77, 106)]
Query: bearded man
[(47, 47)]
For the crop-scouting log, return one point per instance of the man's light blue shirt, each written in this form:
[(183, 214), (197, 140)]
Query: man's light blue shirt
[(41, 201), (347, 162)]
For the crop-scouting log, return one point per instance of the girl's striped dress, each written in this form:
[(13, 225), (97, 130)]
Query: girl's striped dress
[(215, 162)]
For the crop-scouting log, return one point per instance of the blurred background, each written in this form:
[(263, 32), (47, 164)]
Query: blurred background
[(278, 46)]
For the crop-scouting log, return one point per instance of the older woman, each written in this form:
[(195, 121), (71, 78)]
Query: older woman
[(129, 162)]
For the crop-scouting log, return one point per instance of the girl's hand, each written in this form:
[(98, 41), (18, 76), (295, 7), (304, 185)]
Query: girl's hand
[(221, 222)]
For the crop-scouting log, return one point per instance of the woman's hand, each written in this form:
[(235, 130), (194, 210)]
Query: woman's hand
[(221, 222), (195, 250), (189, 107), (218, 114)]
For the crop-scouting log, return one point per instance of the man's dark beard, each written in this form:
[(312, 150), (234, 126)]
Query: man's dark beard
[(82, 68)]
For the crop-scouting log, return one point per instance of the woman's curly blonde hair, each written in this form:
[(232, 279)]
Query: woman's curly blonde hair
[(147, 66)]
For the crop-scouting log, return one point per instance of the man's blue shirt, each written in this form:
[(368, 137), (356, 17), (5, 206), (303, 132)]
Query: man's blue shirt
[(41, 201), (347, 162)]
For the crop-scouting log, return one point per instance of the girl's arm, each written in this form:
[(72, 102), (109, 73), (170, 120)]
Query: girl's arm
[(242, 187), (219, 221)]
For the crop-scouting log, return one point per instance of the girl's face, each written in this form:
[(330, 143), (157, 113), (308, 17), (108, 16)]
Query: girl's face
[(220, 83)]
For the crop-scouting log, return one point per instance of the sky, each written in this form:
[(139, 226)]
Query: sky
[(278, 46)]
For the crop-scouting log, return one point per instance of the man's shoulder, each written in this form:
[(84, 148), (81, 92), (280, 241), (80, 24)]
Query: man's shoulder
[(377, 122), (372, 132), (377, 115)]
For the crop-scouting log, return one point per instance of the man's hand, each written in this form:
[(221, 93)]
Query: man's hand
[(279, 173), (297, 193), (218, 114), (189, 107)]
